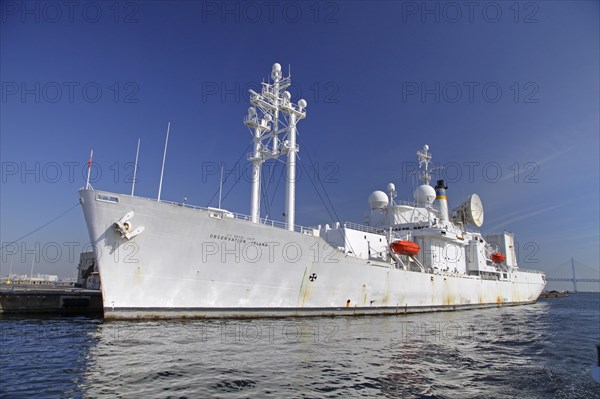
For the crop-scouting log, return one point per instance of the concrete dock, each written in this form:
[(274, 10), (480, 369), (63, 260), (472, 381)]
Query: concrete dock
[(29, 299)]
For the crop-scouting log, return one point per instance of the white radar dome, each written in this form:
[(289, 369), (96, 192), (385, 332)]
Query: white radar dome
[(424, 194), (378, 200), (302, 103), (276, 72)]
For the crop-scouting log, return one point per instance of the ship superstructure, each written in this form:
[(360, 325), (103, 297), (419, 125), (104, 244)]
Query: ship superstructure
[(162, 259)]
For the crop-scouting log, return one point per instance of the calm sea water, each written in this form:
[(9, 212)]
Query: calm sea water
[(539, 351)]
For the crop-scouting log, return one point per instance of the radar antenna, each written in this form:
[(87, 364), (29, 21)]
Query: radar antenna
[(424, 159)]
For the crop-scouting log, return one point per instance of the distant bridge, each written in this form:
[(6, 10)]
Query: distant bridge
[(579, 280), (574, 278)]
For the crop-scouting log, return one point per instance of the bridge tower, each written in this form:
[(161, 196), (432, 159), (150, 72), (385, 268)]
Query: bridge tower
[(574, 277)]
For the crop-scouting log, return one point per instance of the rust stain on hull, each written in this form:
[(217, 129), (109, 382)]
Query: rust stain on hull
[(363, 291), (305, 290), (386, 292)]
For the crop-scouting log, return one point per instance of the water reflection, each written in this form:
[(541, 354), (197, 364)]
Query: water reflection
[(44, 356), (543, 350)]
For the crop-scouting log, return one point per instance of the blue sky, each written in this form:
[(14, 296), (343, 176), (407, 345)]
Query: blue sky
[(506, 95)]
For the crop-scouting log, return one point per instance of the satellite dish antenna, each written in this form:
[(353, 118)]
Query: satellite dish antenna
[(470, 211)]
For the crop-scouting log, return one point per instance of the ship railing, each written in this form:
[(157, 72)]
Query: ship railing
[(405, 236), (408, 203), (276, 223), (530, 271), (496, 233), (241, 216), (362, 227)]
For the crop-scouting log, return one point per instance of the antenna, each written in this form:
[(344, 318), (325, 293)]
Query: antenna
[(137, 152), (220, 186), (87, 182), (424, 159), (162, 169)]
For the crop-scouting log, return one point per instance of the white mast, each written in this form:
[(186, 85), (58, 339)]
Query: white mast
[(292, 149), (268, 126), (137, 153), (257, 157), (162, 169)]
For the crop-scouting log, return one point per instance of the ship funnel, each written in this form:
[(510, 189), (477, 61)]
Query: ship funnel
[(441, 201), (470, 211)]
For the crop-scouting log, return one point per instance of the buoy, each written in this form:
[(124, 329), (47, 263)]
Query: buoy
[(498, 257), (405, 247)]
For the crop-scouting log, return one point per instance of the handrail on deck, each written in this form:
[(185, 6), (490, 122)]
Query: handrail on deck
[(238, 216), (362, 227), (530, 271)]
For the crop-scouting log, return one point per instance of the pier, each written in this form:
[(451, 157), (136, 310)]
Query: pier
[(48, 299)]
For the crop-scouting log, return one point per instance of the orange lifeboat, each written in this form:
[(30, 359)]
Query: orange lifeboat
[(498, 257), (405, 247)]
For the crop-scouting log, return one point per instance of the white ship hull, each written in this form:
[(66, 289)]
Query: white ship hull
[(192, 263)]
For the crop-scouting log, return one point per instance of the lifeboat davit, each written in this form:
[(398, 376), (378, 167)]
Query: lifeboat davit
[(405, 247), (498, 257)]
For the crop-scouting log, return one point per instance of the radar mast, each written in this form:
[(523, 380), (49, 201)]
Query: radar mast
[(272, 119), (424, 159)]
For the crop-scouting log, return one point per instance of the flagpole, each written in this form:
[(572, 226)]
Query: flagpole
[(220, 186), (162, 169), (87, 183), (137, 152)]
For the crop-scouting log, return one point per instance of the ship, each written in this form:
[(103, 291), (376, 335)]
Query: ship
[(161, 259)]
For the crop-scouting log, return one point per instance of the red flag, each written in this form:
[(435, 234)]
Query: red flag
[(90, 161)]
